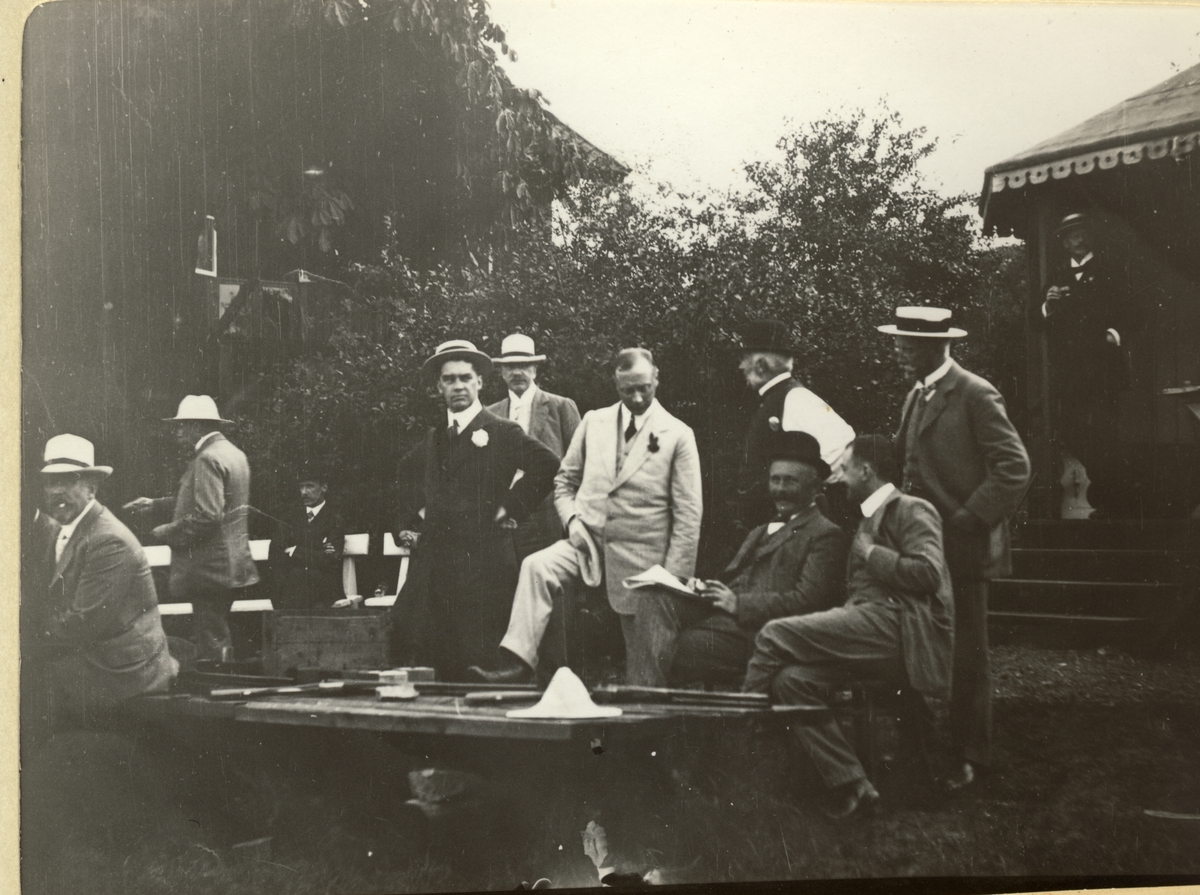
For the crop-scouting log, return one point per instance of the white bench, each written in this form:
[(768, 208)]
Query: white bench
[(355, 545)]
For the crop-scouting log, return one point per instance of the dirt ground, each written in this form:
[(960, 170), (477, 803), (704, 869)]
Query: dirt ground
[(1098, 773)]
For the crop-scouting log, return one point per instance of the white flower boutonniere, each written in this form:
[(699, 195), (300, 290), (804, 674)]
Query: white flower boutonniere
[(479, 438), (773, 422)]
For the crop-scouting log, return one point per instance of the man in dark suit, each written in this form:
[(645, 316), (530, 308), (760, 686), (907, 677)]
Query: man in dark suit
[(791, 566), (308, 547), (460, 487), (208, 533), (92, 636), (551, 419), (1089, 317), (897, 623), (957, 449), (786, 406)]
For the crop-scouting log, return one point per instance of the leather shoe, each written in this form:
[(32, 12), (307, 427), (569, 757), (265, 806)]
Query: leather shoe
[(852, 798), (513, 671), (961, 779)]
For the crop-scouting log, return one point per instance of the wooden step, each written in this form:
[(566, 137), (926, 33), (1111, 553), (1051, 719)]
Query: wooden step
[(1144, 566), (1146, 534), (1100, 599)]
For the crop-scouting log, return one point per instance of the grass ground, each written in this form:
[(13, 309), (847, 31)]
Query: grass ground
[(1088, 742)]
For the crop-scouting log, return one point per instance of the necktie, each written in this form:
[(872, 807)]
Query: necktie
[(453, 428), (60, 545), (631, 431), (309, 512)]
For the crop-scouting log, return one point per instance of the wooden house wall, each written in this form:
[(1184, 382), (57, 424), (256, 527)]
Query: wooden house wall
[(138, 120)]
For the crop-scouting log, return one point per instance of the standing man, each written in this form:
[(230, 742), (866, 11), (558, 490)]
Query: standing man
[(787, 406), (1089, 317), (94, 637), (958, 450), (308, 547), (208, 532), (460, 487), (793, 565), (629, 491), (897, 624), (551, 419)]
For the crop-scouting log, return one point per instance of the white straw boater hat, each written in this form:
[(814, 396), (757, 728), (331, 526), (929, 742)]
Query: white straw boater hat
[(457, 349), (566, 698), (197, 408), (518, 349), (70, 453), (932, 323)]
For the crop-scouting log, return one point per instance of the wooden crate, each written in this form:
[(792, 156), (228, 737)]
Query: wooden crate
[(337, 640)]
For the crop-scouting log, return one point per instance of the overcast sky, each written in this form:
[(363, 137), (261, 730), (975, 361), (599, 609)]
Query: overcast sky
[(693, 88)]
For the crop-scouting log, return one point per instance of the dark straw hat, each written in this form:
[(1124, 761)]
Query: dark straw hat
[(766, 335), (799, 446), (457, 349)]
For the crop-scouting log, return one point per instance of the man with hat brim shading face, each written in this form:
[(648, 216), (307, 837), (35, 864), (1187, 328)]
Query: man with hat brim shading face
[(460, 489), (793, 565), (630, 486), (209, 531), (307, 548), (897, 626), (957, 449), (93, 635), (1090, 316), (766, 360), (551, 419)]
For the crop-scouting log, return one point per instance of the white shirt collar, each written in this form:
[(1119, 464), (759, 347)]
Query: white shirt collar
[(314, 510), (639, 420), (876, 500), (205, 439), (763, 389), (67, 531), (1082, 261), (935, 376), (464, 417), (514, 399)]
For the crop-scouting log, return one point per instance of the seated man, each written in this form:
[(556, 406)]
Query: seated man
[(791, 566), (92, 636), (897, 624), (308, 547)]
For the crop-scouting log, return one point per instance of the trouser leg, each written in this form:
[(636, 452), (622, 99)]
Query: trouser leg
[(971, 689), (544, 575), (799, 660), (715, 649), (210, 622), (651, 635)]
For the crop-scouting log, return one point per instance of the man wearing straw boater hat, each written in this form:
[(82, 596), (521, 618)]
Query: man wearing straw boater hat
[(958, 450), (551, 419), (93, 636), (464, 488), (208, 532)]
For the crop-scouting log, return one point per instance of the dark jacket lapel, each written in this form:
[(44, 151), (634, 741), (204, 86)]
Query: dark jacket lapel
[(941, 397), (77, 538), (772, 543)]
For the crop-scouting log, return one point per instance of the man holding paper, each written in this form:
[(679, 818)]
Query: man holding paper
[(628, 491), (791, 566)]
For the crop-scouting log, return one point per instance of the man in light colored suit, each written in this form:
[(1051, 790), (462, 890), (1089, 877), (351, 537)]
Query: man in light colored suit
[(629, 486), (208, 533), (793, 565), (92, 633), (957, 449), (551, 419), (897, 625)]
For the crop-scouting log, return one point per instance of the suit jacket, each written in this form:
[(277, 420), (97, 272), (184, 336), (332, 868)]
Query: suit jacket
[(970, 455), (310, 577), (463, 571), (646, 512), (98, 630), (907, 565), (799, 569), (553, 420), (209, 533)]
